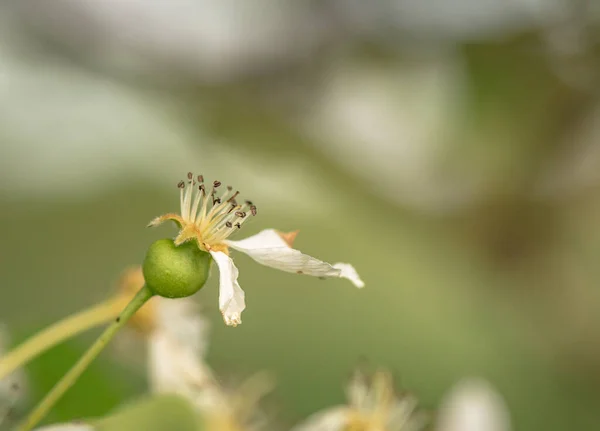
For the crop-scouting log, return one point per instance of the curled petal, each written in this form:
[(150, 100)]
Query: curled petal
[(231, 296), (348, 272), (270, 249)]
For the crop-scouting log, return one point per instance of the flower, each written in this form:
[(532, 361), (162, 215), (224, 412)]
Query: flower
[(372, 406), (176, 336), (473, 405), (73, 426), (210, 220)]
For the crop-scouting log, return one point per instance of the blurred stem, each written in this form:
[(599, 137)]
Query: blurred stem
[(60, 331), (75, 372)]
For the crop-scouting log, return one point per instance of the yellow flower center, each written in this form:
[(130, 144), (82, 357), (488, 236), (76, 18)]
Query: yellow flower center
[(206, 217)]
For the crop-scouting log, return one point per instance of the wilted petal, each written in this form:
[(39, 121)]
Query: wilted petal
[(231, 295), (270, 249), (473, 405), (348, 272)]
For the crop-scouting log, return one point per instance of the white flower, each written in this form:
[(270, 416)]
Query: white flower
[(176, 335), (67, 427), (372, 406), (473, 405), (209, 220)]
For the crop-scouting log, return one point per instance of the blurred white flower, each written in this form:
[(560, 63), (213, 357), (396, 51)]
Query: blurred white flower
[(393, 126), (177, 335), (372, 405), (210, 220), (67, 427), (473, 405)]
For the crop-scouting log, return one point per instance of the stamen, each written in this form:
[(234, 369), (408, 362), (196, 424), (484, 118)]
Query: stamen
[(187, 201), (233, 197), (225, 215), (197, 199)]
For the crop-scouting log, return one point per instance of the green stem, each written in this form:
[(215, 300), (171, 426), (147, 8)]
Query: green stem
[(60, 331), (73, 374)]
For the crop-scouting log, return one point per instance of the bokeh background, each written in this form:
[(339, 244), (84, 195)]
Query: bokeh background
[(449, 149)]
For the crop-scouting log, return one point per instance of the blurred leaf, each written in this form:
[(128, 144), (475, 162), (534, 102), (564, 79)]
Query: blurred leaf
[(160, 413), (104, 385)]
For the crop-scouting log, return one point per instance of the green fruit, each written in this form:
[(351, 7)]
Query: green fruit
[(175, 271)]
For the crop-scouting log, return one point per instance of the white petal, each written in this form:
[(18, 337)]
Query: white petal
[(264, 239), (348, 272), (268, 248), (332, 419), (66, 427), (231, 295), (473, 405)]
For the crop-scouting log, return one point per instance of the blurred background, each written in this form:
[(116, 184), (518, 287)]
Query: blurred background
[(449, 149)]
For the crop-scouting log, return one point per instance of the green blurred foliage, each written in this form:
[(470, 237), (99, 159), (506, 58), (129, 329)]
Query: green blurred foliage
[(496, 290), (159, 413)]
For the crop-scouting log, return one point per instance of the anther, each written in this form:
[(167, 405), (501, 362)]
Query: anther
[(229, 188), (190, 175), (216, 201), (241, 214), (216, 184), (238, 225), (201, 187), (200, 178), (248, 202), (180, 184), (253, 210), (233, 197), (228, 224)]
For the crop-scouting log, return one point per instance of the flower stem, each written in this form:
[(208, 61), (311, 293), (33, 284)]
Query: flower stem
[(60, 331), (73, 374)]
